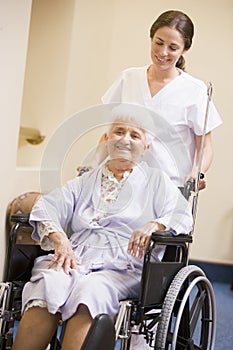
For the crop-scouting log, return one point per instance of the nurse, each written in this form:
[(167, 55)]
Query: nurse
[(180, 99), (113, 210)]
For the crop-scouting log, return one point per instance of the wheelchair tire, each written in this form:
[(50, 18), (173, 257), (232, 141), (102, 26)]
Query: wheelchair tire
[(188, 316)]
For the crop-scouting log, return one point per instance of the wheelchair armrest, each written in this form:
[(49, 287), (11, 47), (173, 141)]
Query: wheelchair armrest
[(21, 218), (168, 237)]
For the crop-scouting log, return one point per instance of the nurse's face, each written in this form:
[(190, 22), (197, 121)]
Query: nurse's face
[(126, 142), (167, 45)]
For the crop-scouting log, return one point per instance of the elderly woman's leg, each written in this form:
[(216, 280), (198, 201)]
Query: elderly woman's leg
[(76, 329), (36, 329)]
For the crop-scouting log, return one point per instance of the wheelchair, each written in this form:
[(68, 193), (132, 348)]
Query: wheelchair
[(175, 309)]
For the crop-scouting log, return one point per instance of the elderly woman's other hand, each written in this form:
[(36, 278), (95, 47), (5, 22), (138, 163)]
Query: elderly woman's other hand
[(140, 238), (63, 253)]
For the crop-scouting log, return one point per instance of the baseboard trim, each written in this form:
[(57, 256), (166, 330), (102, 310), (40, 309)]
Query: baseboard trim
[(215, 272)]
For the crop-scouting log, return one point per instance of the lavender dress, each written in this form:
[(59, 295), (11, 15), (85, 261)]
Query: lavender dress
[(101, 231)]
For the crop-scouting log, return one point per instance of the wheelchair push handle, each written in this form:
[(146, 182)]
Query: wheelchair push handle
[(83, 170), (188, 187)]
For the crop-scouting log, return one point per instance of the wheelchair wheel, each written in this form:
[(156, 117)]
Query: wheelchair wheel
[(6, 331), (188, 316)]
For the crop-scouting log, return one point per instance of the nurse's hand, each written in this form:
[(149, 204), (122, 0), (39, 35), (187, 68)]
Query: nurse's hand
[(99, 156), (202, 181), (140, 238), (202, 184), (63, 253)]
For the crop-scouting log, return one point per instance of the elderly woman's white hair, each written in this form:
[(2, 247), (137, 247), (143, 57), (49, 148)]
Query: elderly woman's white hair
[(136, 115)]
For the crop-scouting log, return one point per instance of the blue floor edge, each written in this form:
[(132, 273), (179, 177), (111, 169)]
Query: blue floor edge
[(216, 272)]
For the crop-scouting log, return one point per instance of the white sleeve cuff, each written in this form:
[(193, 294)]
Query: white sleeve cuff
[(44, 228)]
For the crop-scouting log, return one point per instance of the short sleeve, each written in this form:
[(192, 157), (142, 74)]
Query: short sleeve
[(197, 112), (113, 94)]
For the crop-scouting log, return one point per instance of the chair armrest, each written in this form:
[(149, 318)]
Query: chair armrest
[(169, 237), (20, 218)]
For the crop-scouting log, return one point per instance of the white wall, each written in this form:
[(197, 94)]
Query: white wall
[(77, 48), (14, 29)]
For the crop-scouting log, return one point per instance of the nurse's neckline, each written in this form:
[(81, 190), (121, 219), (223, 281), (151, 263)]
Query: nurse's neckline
[(162, 77), (156, 85)]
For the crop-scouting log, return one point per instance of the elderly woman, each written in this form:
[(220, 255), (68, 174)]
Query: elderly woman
[(113, 211)]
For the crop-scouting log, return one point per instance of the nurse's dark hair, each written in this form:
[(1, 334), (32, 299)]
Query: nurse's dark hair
[(181, 22)]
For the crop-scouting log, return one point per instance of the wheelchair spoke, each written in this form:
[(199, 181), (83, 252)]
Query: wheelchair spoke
[(196, 310)]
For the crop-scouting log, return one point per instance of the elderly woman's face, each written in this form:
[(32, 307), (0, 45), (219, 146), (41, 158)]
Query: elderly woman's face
[(126, 141)]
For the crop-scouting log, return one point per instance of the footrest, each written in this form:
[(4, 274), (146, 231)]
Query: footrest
[(101, 334)]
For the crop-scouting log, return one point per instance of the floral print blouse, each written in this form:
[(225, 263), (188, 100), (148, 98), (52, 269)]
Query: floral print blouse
[(110, 189)]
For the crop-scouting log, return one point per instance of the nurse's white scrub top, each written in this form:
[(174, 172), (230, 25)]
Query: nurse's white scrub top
[(179, 113)]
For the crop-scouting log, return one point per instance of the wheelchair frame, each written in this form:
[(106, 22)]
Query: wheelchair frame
[(175, 308), (182, 308)]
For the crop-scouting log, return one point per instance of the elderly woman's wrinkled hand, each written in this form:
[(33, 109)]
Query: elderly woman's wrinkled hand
[(63, 253), (140, 238)]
